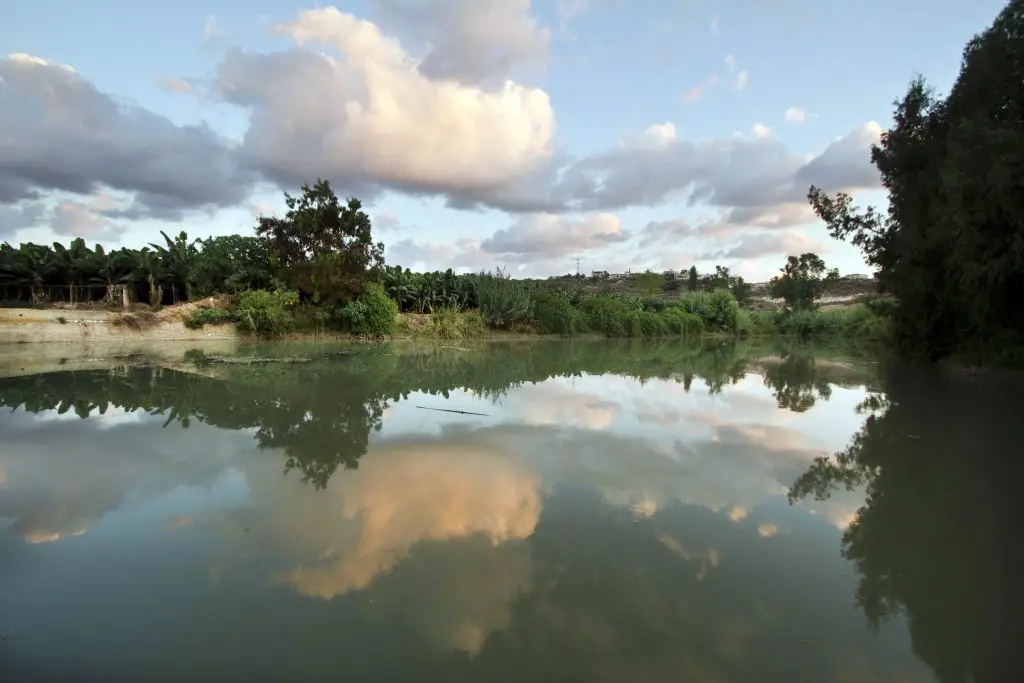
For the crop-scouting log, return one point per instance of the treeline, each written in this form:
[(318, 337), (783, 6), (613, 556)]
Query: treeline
[(950, 248), (318, 269), (177, 270)]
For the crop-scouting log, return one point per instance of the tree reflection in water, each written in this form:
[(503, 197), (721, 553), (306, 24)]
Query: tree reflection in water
[(935, 536)]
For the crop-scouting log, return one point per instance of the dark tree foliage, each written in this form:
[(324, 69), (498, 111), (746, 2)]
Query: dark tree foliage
[(951, 245), (323, 249), (804, 278), (693, 279)]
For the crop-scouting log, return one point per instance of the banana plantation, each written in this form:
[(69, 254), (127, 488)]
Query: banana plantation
[(174, 271)]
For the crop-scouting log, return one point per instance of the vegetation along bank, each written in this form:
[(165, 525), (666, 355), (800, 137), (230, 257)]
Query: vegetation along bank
[(948, 256)]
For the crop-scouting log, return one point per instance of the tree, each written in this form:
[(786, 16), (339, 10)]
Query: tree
[(951, 245), (179, 258), (323, 249), (720, 279), (693, 279), (803, 280), (741, 290)]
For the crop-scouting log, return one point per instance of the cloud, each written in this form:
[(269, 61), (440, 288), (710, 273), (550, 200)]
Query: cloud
[(470, 41), (531, 239), (714, 26), (795, 115), (666, 232), (61, 133), (837, 166), (698, 91), (373, 119), (553, 236), (78, 219), (741, 80), (178, 85), (385, 221), (18, 216), (761, 131), (731, 173), (211, 30), (758, 244), (442, 118)]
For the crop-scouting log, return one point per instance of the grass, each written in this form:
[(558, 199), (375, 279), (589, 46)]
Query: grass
[(447, 324)]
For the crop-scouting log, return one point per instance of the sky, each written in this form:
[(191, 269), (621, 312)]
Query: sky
[(536, 136)]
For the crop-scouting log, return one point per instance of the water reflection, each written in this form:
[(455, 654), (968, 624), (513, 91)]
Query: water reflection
[(618, 512), (935, 538)]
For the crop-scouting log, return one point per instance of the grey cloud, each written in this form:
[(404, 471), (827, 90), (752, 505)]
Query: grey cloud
[(469, 41), (755, 245), (838, 168), (313, 117), (17, 217), (65, 134), (549, 236), (749, 176), (661, 232), (76, 219)]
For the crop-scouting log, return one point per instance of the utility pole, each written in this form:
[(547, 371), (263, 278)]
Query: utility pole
[(577, 266)]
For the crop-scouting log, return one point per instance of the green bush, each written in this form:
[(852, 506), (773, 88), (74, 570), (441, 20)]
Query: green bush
[(718, 309), (858, 322), (266, 313), (652, 324), (655, 304), (554, 313), (208, 316), (607, 315), (373, 314), (680, 322), (755, 323), (503, 301)]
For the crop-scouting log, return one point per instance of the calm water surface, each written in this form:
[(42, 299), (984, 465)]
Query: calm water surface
[(595, 512)]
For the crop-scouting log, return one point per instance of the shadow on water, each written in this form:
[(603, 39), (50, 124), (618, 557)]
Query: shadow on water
[(937, 539)]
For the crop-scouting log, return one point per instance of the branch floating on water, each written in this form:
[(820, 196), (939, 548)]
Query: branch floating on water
[(449, 410)]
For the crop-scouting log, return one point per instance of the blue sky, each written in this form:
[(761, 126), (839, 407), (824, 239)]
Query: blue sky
[(646, 134)]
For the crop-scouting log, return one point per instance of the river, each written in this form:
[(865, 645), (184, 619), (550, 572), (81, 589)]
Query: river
[(529, 511)]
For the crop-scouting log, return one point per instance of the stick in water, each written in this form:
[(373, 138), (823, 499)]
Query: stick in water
[(448, 410)]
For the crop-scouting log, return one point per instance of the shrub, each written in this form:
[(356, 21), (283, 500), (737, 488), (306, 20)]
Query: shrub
[(654, 304), (718, 309), (672, 286), (373, 314), (854, 322), (208, 316), (502, 300), (754, 323), (652, 324), (679, 321), (607, 315), (554, 313), (266, 313)]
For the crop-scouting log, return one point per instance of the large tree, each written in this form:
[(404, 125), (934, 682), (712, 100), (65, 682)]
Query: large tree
[(951, 245), (802, 281), (323, 249)]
